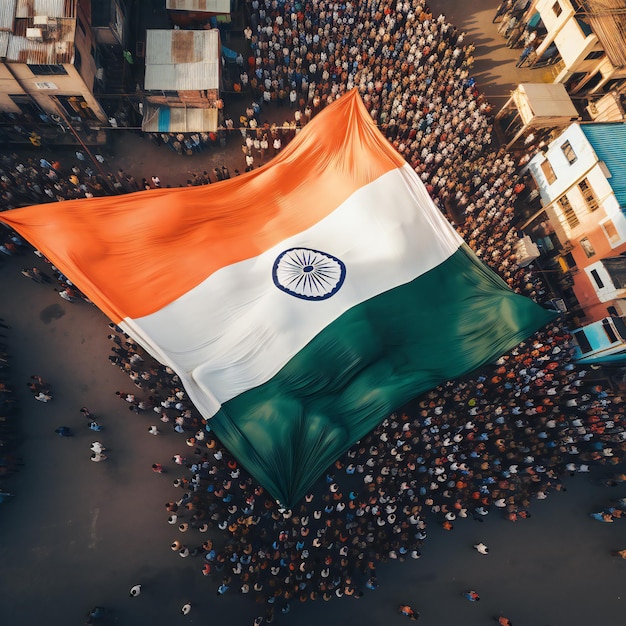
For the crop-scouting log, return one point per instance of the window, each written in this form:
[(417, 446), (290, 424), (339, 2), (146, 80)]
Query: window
[(570, 261), (596, 54), (582, 341), (47, 70), (610, 231), (556, 9), (569, 153), (568, 211), (585, 244), (608, 329), (588, 195), (597, 279), (76, 107), (610, 84), (548, 172)]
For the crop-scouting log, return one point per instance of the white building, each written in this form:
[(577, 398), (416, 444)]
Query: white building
[(589, 36), (581, 180)]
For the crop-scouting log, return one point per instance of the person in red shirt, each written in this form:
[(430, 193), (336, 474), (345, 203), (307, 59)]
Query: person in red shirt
[(409, 611)]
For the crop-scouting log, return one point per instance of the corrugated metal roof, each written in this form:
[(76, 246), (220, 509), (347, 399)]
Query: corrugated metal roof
[(7, 14), (4, 44), (178, 119), (608, 20), (182, 60), (608, 141), (49, 8), (22, 50), (57, 46), (210, 6)]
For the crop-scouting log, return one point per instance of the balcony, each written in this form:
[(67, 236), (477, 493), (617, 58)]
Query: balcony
[(553, 71)]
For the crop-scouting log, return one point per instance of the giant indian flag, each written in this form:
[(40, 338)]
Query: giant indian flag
[(300, 303)]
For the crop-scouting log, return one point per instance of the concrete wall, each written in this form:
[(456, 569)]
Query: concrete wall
[(41, 88), (9, 87)]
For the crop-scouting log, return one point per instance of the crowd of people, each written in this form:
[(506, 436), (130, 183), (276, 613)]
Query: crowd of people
[(28, 180), (487, 444), (413, 72)]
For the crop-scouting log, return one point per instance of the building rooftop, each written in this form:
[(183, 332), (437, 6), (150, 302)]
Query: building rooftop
[(208, 6), (607, 18), (608, 141), (49, 8), (41, 32), (182, 60), (544, 100)]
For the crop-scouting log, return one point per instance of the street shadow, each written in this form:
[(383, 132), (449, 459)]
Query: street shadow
[(484, 50), (52, 312)]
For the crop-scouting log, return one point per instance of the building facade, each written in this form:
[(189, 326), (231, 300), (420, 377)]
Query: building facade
[(582, 40), (182, 81), (47, 54), (581, 182)]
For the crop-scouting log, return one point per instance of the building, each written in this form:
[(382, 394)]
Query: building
[(601, 342), (47, 61), (533, 112), (182, 81), (108, 21), (608, 108), (194, 13), (581, 227), (584, 41)]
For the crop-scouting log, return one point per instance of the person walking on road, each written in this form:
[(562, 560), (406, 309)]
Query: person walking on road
[(472, 596), (409, 611)]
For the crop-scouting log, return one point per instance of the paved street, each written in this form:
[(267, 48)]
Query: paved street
[(494, 70), (79, 533)]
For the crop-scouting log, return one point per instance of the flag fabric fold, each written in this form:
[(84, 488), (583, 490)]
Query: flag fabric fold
[(299, 303)]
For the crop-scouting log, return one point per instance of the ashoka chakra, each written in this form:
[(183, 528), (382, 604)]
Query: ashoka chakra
[(308, 274)]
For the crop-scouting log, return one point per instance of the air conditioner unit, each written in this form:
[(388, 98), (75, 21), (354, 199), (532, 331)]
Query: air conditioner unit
[(40, 20), (34, 34)]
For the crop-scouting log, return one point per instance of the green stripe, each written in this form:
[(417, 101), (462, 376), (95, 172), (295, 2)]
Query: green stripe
[(374, 358)]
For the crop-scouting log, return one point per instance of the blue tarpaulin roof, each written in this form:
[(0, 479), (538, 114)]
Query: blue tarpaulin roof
[(608, 141)]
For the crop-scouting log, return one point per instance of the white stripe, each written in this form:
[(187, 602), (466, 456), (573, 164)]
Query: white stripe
[(236, 330)]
